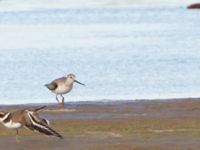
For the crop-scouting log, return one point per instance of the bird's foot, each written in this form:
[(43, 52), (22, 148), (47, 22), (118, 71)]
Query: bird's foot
[(17, 139)]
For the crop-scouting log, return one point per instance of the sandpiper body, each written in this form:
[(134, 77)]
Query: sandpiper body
[(62, 86)]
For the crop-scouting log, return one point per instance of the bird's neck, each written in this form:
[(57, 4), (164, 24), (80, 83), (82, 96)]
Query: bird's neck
[(69, 82)]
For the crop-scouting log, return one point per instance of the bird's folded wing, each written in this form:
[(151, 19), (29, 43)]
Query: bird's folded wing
[(51, 86), (35, 125)]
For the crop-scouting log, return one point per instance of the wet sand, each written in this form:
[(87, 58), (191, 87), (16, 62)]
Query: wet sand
[(130, 125)]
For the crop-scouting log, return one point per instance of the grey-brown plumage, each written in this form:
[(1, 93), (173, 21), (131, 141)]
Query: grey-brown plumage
[(28, 118), (52, 86), (62, 86)]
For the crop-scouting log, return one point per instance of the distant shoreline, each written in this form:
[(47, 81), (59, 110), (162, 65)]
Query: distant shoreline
[(105, 102), (28, 5)]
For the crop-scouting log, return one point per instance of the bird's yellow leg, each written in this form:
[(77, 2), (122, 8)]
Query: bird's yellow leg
[(57, 99), (17, 136), (63, 101)]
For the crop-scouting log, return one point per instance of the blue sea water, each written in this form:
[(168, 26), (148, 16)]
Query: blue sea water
[(120, 53)]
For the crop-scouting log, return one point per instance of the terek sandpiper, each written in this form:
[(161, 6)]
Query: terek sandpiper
[(62, 86), (28, 118)]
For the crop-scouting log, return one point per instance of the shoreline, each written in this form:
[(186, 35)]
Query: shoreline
[(131, 125), (105, 101)]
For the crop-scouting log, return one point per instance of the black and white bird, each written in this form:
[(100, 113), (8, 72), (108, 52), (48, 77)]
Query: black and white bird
[(28, 118), (62, 86)]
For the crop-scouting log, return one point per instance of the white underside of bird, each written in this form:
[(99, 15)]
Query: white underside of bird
[(62, 89), (12, 125)]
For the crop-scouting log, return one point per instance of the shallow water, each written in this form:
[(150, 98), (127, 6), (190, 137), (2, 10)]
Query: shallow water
[(118, 52)]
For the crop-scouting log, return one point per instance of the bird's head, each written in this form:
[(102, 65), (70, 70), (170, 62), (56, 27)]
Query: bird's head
[(72, 78)]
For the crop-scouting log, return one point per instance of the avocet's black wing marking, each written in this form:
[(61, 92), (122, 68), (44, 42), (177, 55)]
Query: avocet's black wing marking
[(41, 127)]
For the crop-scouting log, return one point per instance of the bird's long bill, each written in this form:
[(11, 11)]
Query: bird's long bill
[(78, 82)]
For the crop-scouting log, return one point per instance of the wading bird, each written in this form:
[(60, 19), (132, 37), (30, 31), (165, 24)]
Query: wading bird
[(28, 118), (62, 86)]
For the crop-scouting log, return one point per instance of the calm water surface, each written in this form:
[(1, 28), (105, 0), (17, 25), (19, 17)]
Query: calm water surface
[(119, 53)]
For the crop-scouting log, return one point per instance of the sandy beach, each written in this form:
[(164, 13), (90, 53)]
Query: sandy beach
[(127, 125)]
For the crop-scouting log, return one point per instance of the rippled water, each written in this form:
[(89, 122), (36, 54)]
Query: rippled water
[(118, 52)]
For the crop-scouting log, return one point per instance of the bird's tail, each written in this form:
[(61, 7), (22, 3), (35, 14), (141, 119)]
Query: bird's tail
[(34, 109), (39, 108), (46, 85), (51, 86)]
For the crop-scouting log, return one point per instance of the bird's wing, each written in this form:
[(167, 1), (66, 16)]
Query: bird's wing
[(51, 86), (35, 125), (60, 81), (28, 122), (54, 84), (38, 118)]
